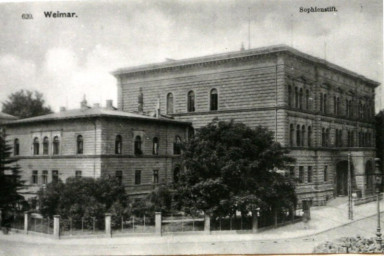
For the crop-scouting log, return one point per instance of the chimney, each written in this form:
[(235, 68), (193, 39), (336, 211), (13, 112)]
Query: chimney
[(109, 104), (83, 103), (96, 105), (62, 109)]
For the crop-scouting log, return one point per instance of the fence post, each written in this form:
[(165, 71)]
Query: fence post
[(158, 223), (255, 223), (108, 230), (207, 223), (26, 220), (1, 217), (56, 226)]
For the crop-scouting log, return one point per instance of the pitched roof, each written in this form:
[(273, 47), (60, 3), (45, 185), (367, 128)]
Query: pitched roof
[(240, 54), (4, 116), (91, 113)]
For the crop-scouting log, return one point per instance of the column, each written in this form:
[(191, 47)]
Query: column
[(26, 222), (56, 226), (255, 222), (158, 223), (207, 223), (108, 230)]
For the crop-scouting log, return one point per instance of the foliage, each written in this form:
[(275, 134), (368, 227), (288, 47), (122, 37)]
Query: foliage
[(24, 104), (10, 181), (230, 167), (354, 244), (83, 197)]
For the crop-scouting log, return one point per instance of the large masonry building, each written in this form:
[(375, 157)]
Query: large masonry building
[(323, 113)]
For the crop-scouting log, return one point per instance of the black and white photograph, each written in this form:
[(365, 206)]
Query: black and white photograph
[(206, 127)]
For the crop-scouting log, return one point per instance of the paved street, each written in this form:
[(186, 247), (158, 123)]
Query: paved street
[(232, 244)]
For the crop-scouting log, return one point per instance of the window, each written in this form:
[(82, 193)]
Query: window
[(325, 103), (137, 177), (214, 99), (303, 136), (292, 171), (307, 99), (191, 101), (309, 136), (16, 147), (326, 173), (291, 135), (309, 177), (35, 178), (298, 140), (177, 146), (327, 137), (44, 177), (338, 106), (78, 174), (55, 176), (45, 145), (321, 102), (301, 174), (334, 105), (176, 174), (155, 176), (80, 144), (56, 145), (301, 98), (289, 96), (36, 146), (170, 103), (118, 144), (296, 97), (119, 177), (155, 149), (138, 142), (347, 108), (323, 137)]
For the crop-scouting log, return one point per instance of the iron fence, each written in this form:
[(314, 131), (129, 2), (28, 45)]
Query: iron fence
[(133, 224), (82, 226), (182, 224), (40, 225)]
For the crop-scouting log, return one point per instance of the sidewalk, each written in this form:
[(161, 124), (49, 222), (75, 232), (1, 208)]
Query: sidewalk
[(323, 218)]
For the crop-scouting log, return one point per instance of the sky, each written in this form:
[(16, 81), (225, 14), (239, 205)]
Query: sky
[(67, 58)]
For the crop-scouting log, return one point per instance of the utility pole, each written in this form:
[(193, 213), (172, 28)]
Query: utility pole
[(350, 202)]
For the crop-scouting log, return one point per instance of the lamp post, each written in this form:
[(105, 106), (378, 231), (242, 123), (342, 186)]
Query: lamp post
[(378, 177)]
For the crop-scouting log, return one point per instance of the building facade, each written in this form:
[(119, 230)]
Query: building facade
[(323, 113), (141, 151)]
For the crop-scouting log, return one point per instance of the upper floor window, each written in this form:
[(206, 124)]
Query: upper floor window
[(138, 142), (44, 177), (45, 145), (118, 144), (301, 98), (307, 99), (309, 136), (35, 178), (289, 96), (310, 174), (325, 137), (177, 146), (16, 147), (56, 145), (296, 97), (350, 139), (214, 99), (55, 176), (137, 177), (155, 149), (155, 176), (80, 144), (301, 174), (170, 103), (36, 146), (191, 101), (298, 136), (78, 174), (325, 173), (303, 136), (291, 135)]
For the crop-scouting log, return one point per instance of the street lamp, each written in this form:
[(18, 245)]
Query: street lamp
[(378, 177)]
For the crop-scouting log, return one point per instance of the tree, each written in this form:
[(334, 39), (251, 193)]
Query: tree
[(24, 104), (10, 180), (230, 167)]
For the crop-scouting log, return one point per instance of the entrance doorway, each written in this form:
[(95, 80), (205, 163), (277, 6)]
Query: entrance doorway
[(342, 178)]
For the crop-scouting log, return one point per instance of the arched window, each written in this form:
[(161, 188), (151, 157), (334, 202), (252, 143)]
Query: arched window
[(291, 135), (16, 147), (303, 136), (56, 145), (80, 145), (138, 150), (155, 148), (214, 99), (298, 140), (118, 144), (301, 98), (36, 146), (289, 96), (170, 103), (45, 145), (176, 174), (177, 146), (309, 142), (191, 101)]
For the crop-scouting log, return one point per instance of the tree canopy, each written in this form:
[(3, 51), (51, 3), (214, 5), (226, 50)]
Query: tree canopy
[(230, 167), (25, 103), (10, 180)]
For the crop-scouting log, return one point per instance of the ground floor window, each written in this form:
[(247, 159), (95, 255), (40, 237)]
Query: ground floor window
[(137, 177), (35, 178)]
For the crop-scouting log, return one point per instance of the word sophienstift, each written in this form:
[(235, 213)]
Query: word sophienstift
[(318, 9), (60, 14)]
